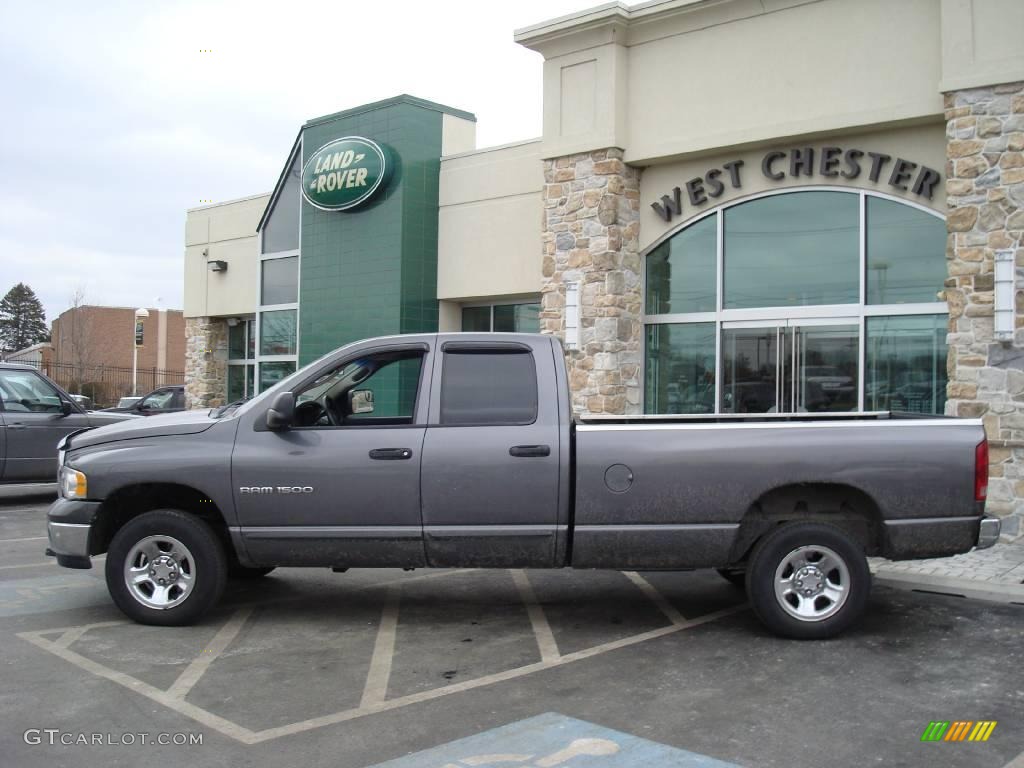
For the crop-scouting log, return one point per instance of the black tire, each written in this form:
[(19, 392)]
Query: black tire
[(242, 573), (735, 576), (837, 615), (207, 566)]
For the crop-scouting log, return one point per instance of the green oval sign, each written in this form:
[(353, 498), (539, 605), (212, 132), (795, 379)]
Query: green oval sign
[(344, 173)]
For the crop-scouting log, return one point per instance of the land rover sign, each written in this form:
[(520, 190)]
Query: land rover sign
[(344, 173)]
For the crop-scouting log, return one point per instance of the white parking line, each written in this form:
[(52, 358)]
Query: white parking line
[(29, 565), (541, 629), (657, 598), (197, 668), (376, 688), (29, 538)]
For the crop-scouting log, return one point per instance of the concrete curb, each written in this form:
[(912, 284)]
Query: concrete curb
[(994, 592)]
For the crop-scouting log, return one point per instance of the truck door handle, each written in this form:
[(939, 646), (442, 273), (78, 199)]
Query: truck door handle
[(529, 450), (390, 454), (17, 425)]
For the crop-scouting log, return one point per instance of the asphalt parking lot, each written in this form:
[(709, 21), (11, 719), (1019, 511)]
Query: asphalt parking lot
[(449, 669)]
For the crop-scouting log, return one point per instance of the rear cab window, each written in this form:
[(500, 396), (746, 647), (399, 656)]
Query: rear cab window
[(483, 386)]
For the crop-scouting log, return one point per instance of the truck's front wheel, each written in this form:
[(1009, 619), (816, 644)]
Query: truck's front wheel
[(808, 581), (165, 567)]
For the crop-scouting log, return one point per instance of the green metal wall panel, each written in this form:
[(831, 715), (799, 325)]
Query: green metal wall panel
[(373, 271)]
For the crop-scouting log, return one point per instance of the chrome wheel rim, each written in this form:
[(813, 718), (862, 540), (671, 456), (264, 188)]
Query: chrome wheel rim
[(812, 583), (160, 572)]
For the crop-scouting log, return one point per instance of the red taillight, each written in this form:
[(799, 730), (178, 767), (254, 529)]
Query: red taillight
[(981, 471)]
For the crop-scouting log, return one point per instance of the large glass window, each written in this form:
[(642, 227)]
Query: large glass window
[(906, 368), (277, 332), (901, 247), (680, 375), (281, 230), (828, 303), (279, 283), (504, 318), (241, 360), (681, 271), (792, 250), (271, 373)]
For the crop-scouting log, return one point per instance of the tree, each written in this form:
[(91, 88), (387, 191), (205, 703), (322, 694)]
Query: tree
[(75, 338), (22, 320)]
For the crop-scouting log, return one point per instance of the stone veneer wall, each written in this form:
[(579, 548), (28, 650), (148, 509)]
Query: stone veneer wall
[(206, 362), (985, 194), (591, 233)]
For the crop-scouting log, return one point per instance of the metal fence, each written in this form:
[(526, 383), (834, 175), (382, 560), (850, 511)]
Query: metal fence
[(105, 384)]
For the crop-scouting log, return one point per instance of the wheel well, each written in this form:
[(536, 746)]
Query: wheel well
[(840, 505), (131, 501)]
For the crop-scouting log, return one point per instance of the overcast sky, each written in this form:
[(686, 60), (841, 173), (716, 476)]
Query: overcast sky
[(114, 122)]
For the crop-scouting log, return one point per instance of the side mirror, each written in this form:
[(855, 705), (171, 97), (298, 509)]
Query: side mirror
[(66, 408), (360, 401), (282, 412)]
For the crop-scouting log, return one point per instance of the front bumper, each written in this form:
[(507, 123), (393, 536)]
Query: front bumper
[(988, 531), (68, 526)]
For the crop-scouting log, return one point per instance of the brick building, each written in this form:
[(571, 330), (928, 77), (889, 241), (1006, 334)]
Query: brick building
[(93, 336)]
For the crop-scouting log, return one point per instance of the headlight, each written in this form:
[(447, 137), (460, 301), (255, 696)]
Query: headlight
[(72, 483)]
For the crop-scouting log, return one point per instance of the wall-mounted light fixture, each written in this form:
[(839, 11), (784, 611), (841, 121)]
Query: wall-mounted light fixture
[(572, 315), (218, 266), (1005, 290)]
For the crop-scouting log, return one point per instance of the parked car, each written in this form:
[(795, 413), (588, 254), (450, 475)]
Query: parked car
[(460, 450), (162, 400), (35, 414)]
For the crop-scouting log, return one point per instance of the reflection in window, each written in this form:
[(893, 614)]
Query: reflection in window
[(680, 374), (476, 319), (271, 373), (793, 250), (277, 332), (681, 271), (905, 253), (280, 281), (503, 318), (906, 363), (281, 230)]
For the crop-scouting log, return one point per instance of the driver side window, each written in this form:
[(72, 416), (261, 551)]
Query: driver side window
[(374, 390)]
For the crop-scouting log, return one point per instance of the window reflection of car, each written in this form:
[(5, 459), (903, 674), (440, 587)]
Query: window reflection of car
[(162, 400), (827, 377)]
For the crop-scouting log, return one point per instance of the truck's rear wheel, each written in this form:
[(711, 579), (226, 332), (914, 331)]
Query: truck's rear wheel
[(165, 567), (808, 581)]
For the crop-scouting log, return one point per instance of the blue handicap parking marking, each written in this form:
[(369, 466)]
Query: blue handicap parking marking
[(552, 740)]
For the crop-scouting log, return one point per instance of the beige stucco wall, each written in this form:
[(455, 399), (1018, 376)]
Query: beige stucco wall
[(489, 223), (921, 144), (675, 78), (227, 232), (982, 43), (457, 134)]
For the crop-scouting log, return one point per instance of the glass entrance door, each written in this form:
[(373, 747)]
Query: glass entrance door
[(790, 366)]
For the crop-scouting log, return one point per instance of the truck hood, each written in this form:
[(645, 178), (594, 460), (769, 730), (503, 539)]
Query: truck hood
[(182, 423)]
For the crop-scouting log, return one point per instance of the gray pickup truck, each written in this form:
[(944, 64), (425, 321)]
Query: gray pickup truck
[(460, 450)]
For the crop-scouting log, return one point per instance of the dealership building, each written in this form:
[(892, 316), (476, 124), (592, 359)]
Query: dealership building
[(735, 207)]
